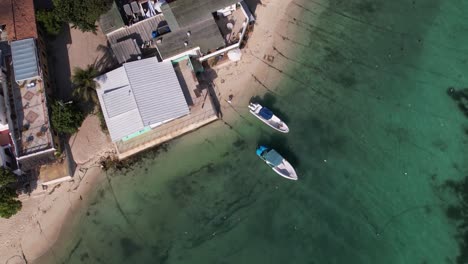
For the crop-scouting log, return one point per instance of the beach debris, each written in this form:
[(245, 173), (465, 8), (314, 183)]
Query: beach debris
[(269, 58), (234, 55)]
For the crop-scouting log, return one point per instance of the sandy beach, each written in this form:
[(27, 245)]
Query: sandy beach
[(32, 232), (374, 149)]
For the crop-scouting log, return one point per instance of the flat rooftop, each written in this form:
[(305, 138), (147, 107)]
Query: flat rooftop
[(188, 12), (231, 26), (205, 34), (32, 119), (111, 20)]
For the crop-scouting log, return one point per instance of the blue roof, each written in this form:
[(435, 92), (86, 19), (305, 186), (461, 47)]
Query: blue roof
[(24, 55)]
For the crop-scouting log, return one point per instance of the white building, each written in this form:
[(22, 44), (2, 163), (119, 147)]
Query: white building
[(139, 96)]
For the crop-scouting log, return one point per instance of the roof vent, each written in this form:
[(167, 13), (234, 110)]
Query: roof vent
[(189, 33), (186, 43)]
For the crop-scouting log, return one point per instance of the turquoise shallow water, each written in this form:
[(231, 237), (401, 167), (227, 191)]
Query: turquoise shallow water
[(373, 137)]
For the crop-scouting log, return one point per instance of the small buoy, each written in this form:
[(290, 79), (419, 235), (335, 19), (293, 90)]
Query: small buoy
[(324, 160)]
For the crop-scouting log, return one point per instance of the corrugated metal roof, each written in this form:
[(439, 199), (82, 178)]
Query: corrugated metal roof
[(141, 31), (24, 55), (125, 123), (156, 96), (157, 90), (119, 101), (127, 50)]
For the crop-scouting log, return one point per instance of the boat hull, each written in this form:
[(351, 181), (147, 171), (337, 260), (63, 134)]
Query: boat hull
[(286, 170), (274, 122), (283, 168)]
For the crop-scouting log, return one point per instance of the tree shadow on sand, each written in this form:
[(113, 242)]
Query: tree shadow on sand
[(269, 101)]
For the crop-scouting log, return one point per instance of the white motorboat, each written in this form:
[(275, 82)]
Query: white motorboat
[(267, 117), (279, 164)]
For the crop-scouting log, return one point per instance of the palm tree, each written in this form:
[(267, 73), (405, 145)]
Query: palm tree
[(84, 84)]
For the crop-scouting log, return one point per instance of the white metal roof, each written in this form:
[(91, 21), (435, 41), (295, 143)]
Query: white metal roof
[(24, 55), (140, 94), (157, 90)]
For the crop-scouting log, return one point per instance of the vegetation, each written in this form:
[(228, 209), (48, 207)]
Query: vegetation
[(51, 22), (66, 118), (102, 121), (82, 14), (6, 177), (84, 84), (9, 203), (85, 90)]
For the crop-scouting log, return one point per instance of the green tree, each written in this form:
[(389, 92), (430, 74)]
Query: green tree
[(83, 14), (65, 117), (84, 84), (51, 21), (9, 204), (6, 177)]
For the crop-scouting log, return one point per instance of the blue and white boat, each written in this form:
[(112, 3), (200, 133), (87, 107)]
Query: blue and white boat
[(279, 164), (267, 117)]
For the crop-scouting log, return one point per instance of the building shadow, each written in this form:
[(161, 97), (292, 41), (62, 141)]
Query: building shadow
[(59, 64), (107, 61), (205, 79), (68, 154), (269, 101), (183, 84), (43, 4), (252, 4)]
